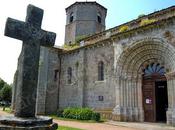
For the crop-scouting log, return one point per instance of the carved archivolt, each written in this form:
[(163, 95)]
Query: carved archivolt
[(135, 57)]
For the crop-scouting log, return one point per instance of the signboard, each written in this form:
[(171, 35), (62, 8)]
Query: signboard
[(148, 101)]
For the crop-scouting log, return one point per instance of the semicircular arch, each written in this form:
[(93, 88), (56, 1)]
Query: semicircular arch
[(135, 55)]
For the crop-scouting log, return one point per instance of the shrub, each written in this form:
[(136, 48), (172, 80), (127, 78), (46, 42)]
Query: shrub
[(146, 21), (96, 116), (80, 114), (141, 15), (79, 38), (71, 46), (123, 28), (60, 113)]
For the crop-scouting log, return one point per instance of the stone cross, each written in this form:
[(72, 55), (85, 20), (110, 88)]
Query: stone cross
[(33, 37)]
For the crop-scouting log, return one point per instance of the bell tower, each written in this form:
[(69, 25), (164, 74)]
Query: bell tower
[(83, 19)]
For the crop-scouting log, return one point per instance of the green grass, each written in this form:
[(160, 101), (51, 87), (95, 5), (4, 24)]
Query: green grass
[(67, 128), (7, 109), (83, 121)]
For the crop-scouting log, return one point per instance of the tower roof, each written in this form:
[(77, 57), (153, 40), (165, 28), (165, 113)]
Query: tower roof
[(84, 3)]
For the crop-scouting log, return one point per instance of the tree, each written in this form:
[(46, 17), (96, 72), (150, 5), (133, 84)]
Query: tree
[(2, 83), (6, 93)]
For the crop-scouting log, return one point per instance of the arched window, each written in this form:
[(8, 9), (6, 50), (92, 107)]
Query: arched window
[(71, 19), (69, 75), (56, 75), (154, 69), (101, 71), (99, 17)]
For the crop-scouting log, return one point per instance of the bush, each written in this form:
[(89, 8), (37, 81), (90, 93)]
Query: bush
[(79, 38), (123, 28), (95, 116), (60, 113), (71, 46), (141, 15), (80, 114), (146, 21)]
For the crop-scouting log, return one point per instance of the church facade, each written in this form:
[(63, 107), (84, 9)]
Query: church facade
[(127, 73)]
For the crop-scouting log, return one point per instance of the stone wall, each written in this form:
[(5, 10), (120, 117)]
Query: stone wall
[(94, 88), (85, 20), (85, 88), (53, 81), (42, 81), (47, 93), (124, 57), (72, 94), (133, 51)]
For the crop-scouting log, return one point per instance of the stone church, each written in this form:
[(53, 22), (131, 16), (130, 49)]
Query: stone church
[(127, 73)]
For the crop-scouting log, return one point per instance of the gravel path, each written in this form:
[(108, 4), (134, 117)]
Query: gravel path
[(91, 126)]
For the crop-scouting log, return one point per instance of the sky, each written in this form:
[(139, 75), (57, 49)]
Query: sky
[(119, 11)]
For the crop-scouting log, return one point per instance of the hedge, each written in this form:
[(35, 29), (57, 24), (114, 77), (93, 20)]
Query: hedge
[(80, 114)]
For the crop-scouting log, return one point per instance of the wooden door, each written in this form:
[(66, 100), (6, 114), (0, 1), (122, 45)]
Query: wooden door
[(153, 77), (149, 99)]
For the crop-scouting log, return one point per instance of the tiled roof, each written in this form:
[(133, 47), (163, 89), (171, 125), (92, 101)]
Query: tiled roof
[(80, 3)]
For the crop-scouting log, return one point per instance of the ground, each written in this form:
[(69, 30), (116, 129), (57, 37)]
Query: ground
[(111, 125)]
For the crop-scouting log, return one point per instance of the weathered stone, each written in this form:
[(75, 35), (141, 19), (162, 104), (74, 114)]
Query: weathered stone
[(125, 55), (33, 37), (25, 122), (84, 18)]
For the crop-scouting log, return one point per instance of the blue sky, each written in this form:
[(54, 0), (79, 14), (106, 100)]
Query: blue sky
[(119, 11)]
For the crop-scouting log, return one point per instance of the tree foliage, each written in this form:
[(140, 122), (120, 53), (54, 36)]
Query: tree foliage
[(6, 93), (2, 83)]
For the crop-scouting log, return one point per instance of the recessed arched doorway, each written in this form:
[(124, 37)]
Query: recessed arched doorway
[(139, 95), (154, 87)]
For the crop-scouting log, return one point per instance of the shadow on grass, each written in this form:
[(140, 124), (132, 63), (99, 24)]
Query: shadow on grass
[(83, 121)]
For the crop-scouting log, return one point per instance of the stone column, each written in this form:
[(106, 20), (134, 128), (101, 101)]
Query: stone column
[(170, 88), (135, 100), (117, 111), (124, 85), (140, 100), (172, 96), (173, 101), (130, 101)]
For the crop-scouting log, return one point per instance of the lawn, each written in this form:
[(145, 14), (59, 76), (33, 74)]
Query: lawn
[(82, 121), (7, 109), (67, 128)]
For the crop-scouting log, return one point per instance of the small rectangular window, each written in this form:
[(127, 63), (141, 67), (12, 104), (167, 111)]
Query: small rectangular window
[(99, 19), (71, 18), (55, 75), (69, 75), (100, 71), (100, 98)]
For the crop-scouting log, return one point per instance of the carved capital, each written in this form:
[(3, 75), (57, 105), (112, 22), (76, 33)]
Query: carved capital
[(170, 75)]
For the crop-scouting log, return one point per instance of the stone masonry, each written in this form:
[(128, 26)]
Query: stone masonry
[(125, 55), (33, 37)]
